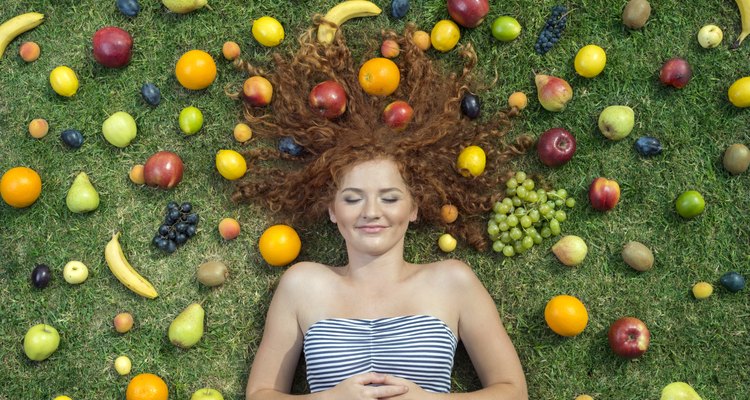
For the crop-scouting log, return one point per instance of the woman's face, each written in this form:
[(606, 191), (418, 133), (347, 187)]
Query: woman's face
[(373, 207)]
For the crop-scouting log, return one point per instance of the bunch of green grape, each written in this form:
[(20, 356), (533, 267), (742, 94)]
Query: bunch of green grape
[(526, 216)]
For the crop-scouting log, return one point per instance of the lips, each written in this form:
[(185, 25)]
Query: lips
[(371, 228)]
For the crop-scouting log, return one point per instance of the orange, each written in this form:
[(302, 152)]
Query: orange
[(566, 315), (379, 76), (279, 245), (146, 387), (195, 70), (20, 187)]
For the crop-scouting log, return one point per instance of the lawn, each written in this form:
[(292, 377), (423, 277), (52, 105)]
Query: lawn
[(704, 343)]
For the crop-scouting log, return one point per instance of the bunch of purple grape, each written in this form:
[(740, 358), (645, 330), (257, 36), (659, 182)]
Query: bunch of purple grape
[(553, 28), (179, 225)]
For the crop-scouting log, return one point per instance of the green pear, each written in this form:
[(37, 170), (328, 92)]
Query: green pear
[(616, 122), (82, 197), (184, 6), (187, 328), (679, 391)]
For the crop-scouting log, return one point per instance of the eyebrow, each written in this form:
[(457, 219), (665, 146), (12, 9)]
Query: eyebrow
[(360, 191)]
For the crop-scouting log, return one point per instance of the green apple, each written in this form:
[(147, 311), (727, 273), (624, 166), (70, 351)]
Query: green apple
[(207, 394), (119, 129), (505, 28), (191, 120), (710, 36), (75, 272), (616, 122), (40, 342)]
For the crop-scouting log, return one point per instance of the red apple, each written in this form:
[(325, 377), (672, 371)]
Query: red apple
[(112, 47), (163, 170), (604, 194), (398, 114), (629, 337), (328, 99), (257, 91), (555, 147), (468, 13), (675, 72)]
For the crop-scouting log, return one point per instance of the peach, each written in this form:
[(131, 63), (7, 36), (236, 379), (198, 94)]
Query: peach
[(422, 40), (230, 50), (390, 48), (29, 51), (398, 115), (229, 228), (123, 322), (136, 174), (448, 213), (242, 133), (257, 91), (38, 128)]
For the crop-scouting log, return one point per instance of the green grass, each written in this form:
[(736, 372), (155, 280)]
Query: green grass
[(704, 343)]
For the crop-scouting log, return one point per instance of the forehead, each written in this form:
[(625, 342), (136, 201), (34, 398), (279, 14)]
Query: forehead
[(375, 173)]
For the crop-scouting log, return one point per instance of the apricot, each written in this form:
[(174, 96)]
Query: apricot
[(422, 40), (29, 51), (448, 213), (257, 91), (123, 322), (230, 50), (229, 228), (390, 48), (136, 174), (242, 133), (38, 128), (518, 100)]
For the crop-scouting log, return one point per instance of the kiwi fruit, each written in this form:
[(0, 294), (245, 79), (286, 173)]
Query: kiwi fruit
[(212, 273), (736, 159), (636, 13), (638, 256)]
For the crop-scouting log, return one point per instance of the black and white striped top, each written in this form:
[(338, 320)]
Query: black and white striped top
[(419, 348)]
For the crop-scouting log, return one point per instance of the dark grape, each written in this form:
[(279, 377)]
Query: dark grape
[(186, 207), (151, 94), (171, 246), (181, 227), (192, 219), (181, 238), (72, 138), (171, 235), (190, 231), (164, 230), (174, 215), (41, 276), (172, 205)]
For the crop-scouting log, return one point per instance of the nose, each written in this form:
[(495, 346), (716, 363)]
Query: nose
[(371, 209)]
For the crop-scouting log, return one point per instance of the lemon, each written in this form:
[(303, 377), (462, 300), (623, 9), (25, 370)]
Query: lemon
[(230, 164), (739, 92), (268, 31), (63, 81), (445, 35), (62, 398), (702, 290), (471, 161), (590, 61)]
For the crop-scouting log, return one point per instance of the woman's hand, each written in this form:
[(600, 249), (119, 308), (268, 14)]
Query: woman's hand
[(360, 387), (414, 391)]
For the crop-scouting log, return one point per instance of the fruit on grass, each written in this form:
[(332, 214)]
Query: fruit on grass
[(123, 365), (422, 40), (229, 228), (212, 273), (190, 120), (471, 161), (207, 394), (616, 122), (636, 13), (583, 397), (20, 187), (702, 290), (390, 48), (379, 76), (279, 245), (342, 12), (147, 387), (72, 138), (732, 281), (38, 128), (447, 243), (64, 81), (736, 158), (40, 342), (648, 146), (638, 256), (710, 36), (287, 145), (123, 322), (445, 35), (471, 105), (571, 250), (399, 8), (112, 47), (553, 29), (163, 170), (328, 99), (739, 92), (195, 70), (257, 91), (468, 13), (230, 50), (397, 115), (242, 132), (119, 129), (230, 164), (29, 51), (590, 61), (40, 276), (151, 94), (130, 8), (75, 272), (555, 147), (553, 92), (17, 25), (690, 204), (505, 28), (179, 225), (517, 101), (268, 31), (187, 328), (675, 72), (136, 174), (604, 194), (448, 213), (629, 337), (124, 272), (184, 6), (566, 315), (679, 391)]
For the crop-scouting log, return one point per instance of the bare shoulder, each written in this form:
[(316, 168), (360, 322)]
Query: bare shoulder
[(301, 274), (452, 272)]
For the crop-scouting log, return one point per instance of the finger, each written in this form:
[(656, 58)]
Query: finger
[(368, 378), (388, 391), (394, 380)]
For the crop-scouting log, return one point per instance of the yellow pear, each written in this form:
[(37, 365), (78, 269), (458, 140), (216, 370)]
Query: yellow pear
[(184, 6), (679, 391)]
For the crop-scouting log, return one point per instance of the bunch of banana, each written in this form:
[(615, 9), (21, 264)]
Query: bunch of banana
[(343, 12), (744, 6), (16, 26), (124, 272)]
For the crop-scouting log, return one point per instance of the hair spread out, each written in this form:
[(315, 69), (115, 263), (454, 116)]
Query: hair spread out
[(303, 187)]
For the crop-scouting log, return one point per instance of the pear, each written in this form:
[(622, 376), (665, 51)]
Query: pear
[(187, 328), (679, 391), (82, 197), (184, 6), (553, 92), (570, 250)]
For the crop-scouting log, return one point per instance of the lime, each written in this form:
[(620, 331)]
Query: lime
[(191, 120), (268, 31), (505, 28), (690, 204), (590, 61)]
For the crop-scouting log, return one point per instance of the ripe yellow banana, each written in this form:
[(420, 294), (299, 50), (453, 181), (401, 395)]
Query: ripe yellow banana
[(16, 26), (124, 272), (744, 6), (345, 11)]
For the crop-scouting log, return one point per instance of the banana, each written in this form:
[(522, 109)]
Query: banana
[(345, 11), (16, 26), (124, 272), (744, 6)]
